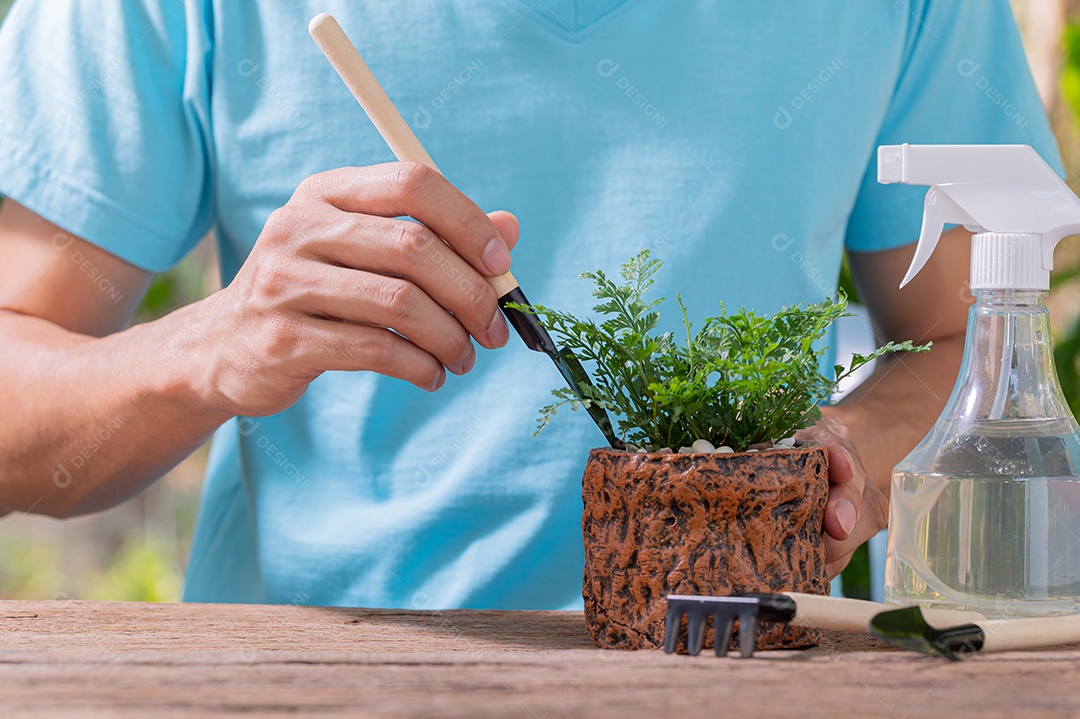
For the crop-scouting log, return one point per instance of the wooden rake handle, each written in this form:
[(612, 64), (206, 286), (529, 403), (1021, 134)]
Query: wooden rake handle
[(342, 54)]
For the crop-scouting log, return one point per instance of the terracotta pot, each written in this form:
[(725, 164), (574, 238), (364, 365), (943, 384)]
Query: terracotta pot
[(716, 524)]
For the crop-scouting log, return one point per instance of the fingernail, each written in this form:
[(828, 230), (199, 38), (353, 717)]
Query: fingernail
[(469, 363), (496, 257), (848, 458), (845, 513), (497, 332), (440, 381)]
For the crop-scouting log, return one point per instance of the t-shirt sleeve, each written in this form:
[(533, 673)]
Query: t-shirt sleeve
[(964, 80), (104, 125)]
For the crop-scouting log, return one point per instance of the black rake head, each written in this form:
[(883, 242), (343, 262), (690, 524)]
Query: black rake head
[(749, 609)]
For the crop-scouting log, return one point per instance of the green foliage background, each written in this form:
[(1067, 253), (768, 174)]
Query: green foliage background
[(1067, 274)]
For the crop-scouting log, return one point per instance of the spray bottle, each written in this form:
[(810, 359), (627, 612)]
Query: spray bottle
[(985, 511)]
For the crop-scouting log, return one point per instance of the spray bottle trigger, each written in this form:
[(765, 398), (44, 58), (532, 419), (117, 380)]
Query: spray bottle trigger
[(938, 209)]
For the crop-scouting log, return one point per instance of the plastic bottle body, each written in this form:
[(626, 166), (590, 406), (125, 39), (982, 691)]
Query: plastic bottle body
[(985, 511)]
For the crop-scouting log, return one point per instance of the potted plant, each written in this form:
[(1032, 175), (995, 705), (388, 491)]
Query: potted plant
[(712, 494)]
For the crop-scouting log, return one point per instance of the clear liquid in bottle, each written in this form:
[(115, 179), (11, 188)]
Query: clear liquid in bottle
[(997, 527), (985, 511)]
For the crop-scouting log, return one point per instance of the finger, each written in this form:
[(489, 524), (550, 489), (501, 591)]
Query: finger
[(873, 517), (847, 480), (833, 569), (508, 226), (409, 188), (409, 250), (846, 483), (330, 345), (391, 302)]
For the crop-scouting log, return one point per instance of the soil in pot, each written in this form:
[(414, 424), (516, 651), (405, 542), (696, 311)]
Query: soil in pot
[(714, 524)]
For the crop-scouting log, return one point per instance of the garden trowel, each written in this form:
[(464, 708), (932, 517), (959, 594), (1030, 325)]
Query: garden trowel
[(908, 628)]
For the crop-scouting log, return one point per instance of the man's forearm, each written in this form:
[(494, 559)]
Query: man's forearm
[(88, 422), (889, 413)]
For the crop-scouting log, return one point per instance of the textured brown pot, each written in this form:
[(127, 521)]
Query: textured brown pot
[(716, 524)]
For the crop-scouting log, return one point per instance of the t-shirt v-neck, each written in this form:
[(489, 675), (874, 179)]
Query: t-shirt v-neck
[(572, 16)]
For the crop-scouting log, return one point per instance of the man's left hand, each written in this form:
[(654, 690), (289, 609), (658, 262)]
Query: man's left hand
[(857, 508)]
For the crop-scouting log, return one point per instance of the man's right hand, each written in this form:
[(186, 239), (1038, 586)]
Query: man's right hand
[(336, 283), (333, 283)]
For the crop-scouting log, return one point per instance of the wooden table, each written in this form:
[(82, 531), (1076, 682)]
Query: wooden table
[(103, 659)]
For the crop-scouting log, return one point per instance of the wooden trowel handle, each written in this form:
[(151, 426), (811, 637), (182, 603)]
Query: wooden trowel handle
[(1009, 634), (339, 50), (812, 610)]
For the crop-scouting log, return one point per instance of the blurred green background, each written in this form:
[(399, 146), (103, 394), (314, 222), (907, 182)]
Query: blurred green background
[(137, 551)]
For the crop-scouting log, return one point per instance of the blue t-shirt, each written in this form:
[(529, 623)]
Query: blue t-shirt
[(736, 140)]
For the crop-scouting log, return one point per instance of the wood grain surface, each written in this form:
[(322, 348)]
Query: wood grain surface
[(98, 659)]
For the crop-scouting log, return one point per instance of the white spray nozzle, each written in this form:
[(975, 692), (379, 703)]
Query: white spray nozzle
[(988, 189)]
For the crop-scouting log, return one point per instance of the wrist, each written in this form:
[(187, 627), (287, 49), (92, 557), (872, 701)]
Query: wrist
[(181, 366), (881, 436)]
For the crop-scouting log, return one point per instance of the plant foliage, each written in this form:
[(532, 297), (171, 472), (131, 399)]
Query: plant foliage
[(741, 379)]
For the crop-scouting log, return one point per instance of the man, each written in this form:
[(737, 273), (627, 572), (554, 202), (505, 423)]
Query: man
[(348, 467)]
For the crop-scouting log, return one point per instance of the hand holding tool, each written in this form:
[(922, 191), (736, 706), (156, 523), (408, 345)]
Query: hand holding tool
[(341, 53)]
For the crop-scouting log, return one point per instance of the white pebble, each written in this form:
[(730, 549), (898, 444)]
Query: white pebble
[(632, 448), (752, 450), (641, 450), (686, 450), (703, 446), (724, 450), (789, 442)]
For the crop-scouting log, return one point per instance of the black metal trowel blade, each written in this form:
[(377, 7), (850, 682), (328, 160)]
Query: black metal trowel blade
[(906, 628), (537, 339)]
